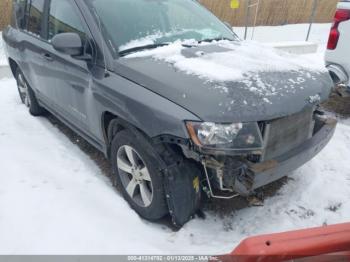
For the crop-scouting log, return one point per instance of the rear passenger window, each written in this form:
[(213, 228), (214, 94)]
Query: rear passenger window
[(63, 19), (35, 16)]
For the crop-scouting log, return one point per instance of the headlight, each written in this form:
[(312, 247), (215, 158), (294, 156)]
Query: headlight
[(226, 136)]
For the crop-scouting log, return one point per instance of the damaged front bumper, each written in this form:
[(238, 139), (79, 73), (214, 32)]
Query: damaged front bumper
[(272, 170), (229, 176)]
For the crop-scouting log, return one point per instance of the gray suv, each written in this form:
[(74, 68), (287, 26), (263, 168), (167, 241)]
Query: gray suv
[(115, 72)]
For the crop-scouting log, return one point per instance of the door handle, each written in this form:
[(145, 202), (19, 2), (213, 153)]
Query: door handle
[(47, 57)]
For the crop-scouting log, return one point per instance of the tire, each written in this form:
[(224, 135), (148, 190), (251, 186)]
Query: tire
[(27, 95), (127, 145)]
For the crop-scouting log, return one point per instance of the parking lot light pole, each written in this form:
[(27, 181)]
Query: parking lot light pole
[(312, 18), (247, 19)]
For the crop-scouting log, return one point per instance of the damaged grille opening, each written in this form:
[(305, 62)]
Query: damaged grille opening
[(284, 134)]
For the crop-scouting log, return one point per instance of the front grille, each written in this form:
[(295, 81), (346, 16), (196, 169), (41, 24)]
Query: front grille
[(284, 134)]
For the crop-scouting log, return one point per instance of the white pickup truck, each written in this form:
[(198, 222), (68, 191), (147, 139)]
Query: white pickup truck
[(338, 48)]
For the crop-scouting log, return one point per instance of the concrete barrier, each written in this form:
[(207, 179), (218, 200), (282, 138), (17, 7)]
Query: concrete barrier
[(295, 47)]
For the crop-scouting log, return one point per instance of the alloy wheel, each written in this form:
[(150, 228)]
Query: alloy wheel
[(23, 90), (135, 176)]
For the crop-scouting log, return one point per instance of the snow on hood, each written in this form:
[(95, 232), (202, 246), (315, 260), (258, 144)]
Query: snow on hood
[(225, 61), (230, 81)]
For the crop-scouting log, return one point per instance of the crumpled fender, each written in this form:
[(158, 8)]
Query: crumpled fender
[(183, 191), (181, 184)]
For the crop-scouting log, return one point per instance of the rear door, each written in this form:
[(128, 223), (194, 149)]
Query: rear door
[(69, 76)]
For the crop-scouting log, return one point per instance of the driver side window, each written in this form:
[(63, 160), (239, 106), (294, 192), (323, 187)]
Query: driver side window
[(64, 19)]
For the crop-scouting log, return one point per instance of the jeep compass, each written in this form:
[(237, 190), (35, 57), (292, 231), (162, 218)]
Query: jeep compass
[(181, 107)]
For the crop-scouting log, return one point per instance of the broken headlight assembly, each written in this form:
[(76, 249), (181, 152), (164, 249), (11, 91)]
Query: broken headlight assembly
[(233, 136)]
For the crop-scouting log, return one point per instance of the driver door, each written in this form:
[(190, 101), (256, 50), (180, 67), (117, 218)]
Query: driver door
[(70, 77)]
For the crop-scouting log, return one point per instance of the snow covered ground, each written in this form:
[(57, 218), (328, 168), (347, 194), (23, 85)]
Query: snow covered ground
[(55, 200)]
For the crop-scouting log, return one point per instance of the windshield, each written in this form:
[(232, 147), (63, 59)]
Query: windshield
[(138, 23)]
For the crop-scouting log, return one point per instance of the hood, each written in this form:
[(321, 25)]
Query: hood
[(221, 83)]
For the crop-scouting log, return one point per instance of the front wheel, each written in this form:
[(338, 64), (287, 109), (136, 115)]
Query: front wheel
[(138, 175)]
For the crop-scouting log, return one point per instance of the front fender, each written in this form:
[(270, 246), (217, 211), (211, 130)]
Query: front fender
[(140, 107)]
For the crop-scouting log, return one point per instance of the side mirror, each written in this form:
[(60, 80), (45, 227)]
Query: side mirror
[(68, 43)]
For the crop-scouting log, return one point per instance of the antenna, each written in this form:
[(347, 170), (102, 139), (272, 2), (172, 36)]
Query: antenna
[(102, 40)]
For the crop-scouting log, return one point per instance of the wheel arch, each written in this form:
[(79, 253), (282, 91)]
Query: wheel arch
[(181, 175), (113, 124)]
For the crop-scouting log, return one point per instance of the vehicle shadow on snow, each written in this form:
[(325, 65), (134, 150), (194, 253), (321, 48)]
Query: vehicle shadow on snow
[(222, 208)]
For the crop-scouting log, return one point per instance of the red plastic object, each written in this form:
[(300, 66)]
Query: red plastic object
[(341, 15), (328, 243)]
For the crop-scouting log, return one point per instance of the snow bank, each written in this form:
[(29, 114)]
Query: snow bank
[(240, 59), (3, 60)]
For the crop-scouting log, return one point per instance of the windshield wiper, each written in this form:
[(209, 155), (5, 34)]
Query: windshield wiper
[(140, 48)]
